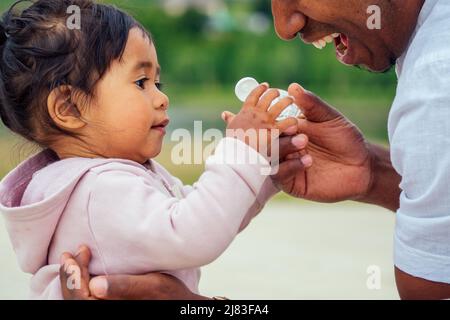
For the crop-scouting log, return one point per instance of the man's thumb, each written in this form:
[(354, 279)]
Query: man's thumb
[(314, 108)]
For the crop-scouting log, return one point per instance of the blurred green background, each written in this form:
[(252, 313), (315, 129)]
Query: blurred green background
[(206, 46)]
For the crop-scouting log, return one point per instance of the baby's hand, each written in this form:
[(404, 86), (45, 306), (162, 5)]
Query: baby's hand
[(255, 116)]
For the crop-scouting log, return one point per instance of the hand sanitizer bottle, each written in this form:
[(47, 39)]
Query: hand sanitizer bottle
[(245, 86)]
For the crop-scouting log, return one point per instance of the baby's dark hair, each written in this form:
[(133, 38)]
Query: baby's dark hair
[(39, 53)]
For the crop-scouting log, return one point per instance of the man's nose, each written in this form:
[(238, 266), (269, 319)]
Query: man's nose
[(288, 21)]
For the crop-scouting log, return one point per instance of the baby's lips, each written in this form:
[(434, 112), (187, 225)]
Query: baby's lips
[(163, 123)]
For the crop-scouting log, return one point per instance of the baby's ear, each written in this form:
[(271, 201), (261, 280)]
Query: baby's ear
[(63, 110)]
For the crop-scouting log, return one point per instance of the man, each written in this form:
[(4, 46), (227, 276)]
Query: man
[(413, 178)]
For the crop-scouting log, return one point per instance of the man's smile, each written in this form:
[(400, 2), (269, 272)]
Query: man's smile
[(341, 42)]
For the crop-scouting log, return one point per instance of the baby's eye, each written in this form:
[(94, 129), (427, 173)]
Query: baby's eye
[(141, 83), (159, 86)]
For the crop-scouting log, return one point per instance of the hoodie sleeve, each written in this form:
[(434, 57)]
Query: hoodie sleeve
[(135, 223), (268, 190)]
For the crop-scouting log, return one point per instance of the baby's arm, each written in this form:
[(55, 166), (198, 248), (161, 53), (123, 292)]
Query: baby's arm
[(268, 190), (129, 214)]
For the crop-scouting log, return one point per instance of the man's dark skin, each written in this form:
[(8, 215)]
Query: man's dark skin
[(339, 151)]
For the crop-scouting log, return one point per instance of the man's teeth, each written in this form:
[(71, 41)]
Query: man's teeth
[(322, 43)]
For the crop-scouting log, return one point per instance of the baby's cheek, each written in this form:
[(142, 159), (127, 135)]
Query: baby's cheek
[(141, 122)]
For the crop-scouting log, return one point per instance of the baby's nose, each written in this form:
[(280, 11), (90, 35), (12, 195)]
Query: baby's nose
[(162, 102)]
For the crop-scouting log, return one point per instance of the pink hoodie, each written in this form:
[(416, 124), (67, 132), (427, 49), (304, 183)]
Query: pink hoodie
[(135, 219)]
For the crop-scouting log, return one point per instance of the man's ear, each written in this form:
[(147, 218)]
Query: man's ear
[(64, 112)]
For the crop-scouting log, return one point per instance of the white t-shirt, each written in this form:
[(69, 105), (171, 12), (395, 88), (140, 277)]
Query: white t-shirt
[(419, 132)]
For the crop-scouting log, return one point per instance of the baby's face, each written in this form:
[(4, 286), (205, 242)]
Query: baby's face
[(129, 115)]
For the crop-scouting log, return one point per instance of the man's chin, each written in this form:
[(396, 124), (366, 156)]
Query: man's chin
[(379, 66), (378, 69)]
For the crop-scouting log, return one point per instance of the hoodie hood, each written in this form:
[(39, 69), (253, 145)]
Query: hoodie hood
[(32, 207)]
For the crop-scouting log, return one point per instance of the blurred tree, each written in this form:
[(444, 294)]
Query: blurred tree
[(192, 22), (263, 6)]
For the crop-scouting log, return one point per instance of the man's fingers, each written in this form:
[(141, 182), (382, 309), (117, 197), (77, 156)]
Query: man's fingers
[(64, 257), (73, 285), (255, 95), (228, 116), (293, 156), (63, 276), (288, 169), (121, 287), (74, 274), (83, 257), (153, 286), (291, 144), (314, 108)]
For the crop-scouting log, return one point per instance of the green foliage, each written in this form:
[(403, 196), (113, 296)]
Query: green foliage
[(203, 55), (191, 53)]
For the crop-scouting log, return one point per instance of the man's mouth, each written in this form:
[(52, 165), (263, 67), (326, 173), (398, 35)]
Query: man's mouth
[(322, 42), (342, 46), (341, 42), (161, 126)]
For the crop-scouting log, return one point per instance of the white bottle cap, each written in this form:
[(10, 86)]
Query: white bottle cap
[(244, 87)]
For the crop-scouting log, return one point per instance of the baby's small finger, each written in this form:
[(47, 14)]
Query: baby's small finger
[(255, 95), (278, 108)]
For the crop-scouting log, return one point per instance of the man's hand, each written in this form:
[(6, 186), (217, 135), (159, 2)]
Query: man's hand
[(74, 275), (341, 164), (342, 161), (152, 286)]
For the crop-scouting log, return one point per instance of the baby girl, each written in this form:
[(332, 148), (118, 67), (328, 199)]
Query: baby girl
[(91, 97)]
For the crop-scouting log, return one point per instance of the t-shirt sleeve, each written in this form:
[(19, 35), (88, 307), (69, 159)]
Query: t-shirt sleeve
[(420, 146)]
